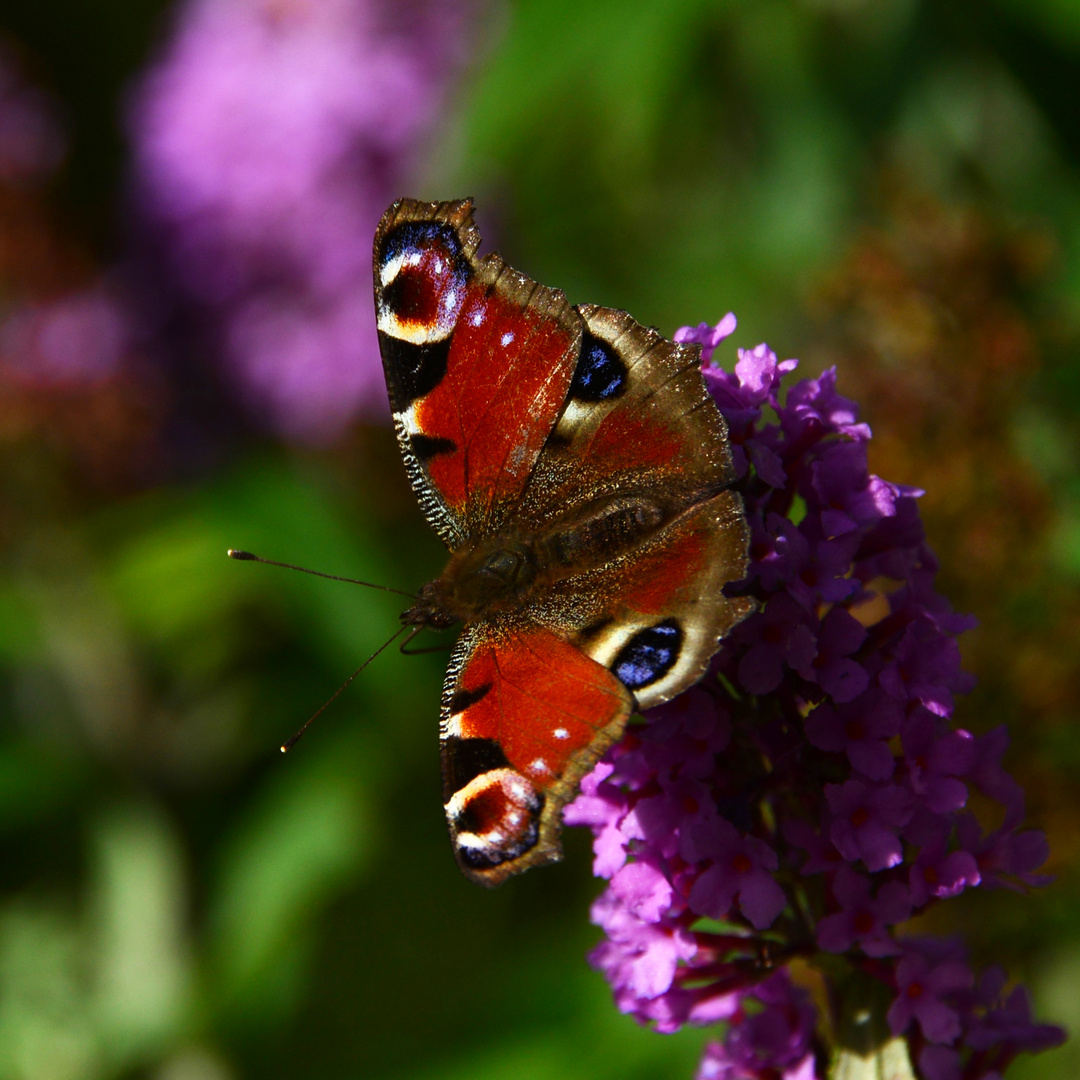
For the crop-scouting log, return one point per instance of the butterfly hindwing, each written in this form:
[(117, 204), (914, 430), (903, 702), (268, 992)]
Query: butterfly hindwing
[(638, 410), (525, 716), (661, 609)]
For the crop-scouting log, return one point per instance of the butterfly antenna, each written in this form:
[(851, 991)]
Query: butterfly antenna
[(246, 556), (288, 744)]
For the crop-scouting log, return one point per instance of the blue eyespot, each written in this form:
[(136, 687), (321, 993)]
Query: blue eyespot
[(649, 655), (600, 374)]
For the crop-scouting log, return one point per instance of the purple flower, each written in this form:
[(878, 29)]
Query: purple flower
[(770, 1036), (861, 729), (937, 872), (810, 569), (923, 983), (643, 890), (1007, 1025), (933, 762), (602, 807), (780, 634), (741, 868), (268, 140), (842, 678), (639, 957), (1006, 857), (77, 339), (863, 919), (814, 405), (988, 774), (923, 666), (708, 337), (822, 853), (810, 792), (867, 820), (848, 495)]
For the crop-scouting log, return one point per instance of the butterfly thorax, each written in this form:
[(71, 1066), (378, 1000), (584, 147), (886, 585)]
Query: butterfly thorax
[(509, 570)]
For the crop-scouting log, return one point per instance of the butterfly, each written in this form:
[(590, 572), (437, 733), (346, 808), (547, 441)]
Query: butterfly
[(575, 466)]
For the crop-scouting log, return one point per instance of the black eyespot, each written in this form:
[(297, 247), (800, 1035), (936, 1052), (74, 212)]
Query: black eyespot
[(649, 655), (600, 374)]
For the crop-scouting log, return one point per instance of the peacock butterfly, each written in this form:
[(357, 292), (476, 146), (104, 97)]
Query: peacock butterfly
[(579, 473)]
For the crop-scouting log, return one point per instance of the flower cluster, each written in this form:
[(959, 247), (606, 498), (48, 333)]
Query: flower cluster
[(268, 140), (51, 334), (812, 793)]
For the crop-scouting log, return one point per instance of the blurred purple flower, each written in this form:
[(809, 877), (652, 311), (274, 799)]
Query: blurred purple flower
[(268, 140), (72, 339), (77, 339), (31, 142), (811, 796)]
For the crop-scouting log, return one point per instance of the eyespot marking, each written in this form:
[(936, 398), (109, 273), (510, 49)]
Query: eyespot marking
[(649, 655), (600, 375), (495, 818), (422, 273)]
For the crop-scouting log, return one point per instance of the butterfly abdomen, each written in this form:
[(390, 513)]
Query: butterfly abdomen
[(606, 531)]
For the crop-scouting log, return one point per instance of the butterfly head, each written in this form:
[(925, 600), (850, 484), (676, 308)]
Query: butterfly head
[(479, 581)]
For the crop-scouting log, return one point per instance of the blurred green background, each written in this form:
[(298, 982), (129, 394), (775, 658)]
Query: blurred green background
[(889, 185)]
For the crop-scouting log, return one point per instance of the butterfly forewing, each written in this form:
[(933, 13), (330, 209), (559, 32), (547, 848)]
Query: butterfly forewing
[(478, 359)]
